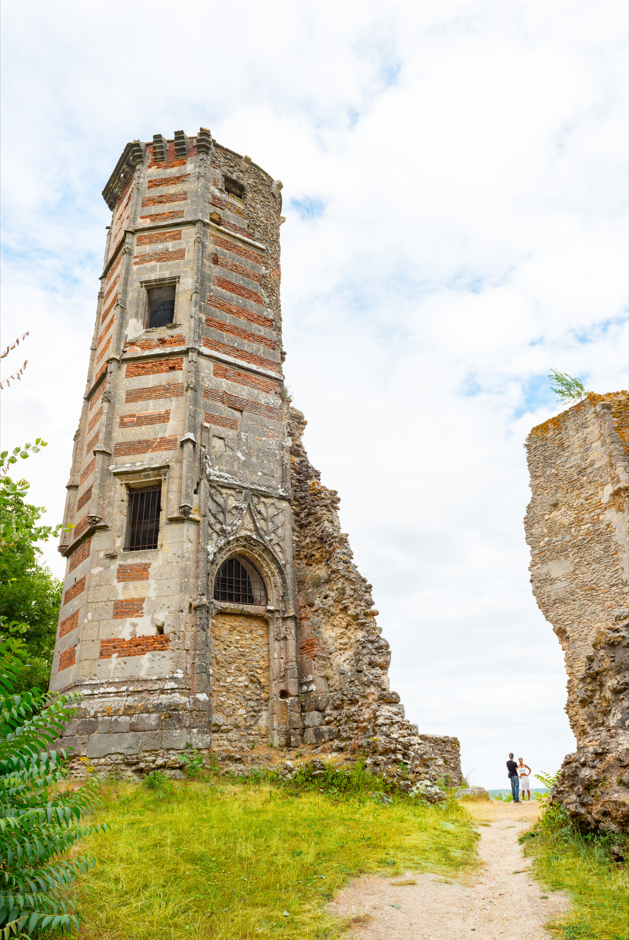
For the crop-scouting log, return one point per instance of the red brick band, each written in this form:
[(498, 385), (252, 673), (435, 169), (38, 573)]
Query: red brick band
[(151, 238), (243, 378), (75, 590), (145, 447), (80, 528), (223, 327), (104, 350), (235, 268), (162, 342), (235, 311), (96, 396), (69, 624), (112, 286), (234, 288), (153, 367), (154, 393), (139, 572), (242, 404), (67, 658), (164, 198), (160, 181), (91, 444), (81, 553), (240, 354), (155, 257), (136, 646), (221, 421), (129, 608), (163, 216), (95, 419), (141, 420), (85, 498), (88, 471), (237, 249)]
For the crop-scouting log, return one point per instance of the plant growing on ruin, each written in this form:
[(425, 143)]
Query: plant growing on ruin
[(39, 820), (567, 389), (192, 762)]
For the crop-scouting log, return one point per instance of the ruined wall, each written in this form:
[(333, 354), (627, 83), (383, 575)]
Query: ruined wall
[(577, 526), (344, 659)]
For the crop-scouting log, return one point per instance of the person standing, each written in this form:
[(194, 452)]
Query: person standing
[(514, 777), (525, 779)]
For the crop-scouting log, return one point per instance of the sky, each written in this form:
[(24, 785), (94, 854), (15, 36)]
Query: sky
[(455, 199)]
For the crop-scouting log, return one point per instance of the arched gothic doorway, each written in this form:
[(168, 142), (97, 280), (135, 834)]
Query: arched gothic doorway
[(241, 661)]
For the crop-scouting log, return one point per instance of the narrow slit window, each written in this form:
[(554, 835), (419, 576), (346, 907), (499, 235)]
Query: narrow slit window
[(239, 582), (143, 518), (161, 305)]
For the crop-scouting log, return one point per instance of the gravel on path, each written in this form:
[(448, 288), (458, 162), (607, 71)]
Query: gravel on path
[(500, 902)]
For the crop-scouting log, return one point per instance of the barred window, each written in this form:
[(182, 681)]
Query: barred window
[(143, 518), (240, 582)]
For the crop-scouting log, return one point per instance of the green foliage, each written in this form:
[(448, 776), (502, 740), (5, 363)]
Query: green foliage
[(582, 865), (29, 593), (566, 388), (192, 762), (159, 782), (227, 862), (39, 819)]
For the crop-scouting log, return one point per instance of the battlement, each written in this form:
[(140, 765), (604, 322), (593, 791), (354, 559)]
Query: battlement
[(162, 152)]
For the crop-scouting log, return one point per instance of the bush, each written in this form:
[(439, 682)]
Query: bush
[(39, 820)]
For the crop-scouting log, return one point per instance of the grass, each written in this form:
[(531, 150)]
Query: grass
[(565, 860), (242, 861)]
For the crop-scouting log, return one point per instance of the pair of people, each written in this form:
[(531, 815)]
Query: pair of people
[(520, 778)]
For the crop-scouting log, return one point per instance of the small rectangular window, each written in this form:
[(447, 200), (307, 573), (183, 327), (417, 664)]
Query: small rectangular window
[(234, 188), (143, 518), (161, 305)]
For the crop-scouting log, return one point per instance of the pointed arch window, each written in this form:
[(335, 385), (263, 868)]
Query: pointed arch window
[(239, 582)]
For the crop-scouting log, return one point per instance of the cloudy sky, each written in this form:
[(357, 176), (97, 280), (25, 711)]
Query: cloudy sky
[(454, 191)]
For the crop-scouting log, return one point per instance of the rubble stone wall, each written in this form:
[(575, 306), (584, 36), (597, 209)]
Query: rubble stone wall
[(344, 659), (577, 526)]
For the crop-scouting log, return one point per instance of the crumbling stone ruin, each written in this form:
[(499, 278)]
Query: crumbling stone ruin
[(210, 598), (577, 526)]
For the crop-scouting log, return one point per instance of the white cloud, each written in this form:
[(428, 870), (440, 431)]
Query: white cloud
[(470, 159)]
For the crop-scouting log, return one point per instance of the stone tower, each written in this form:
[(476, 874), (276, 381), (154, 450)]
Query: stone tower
[(210, 598), (577, 526)]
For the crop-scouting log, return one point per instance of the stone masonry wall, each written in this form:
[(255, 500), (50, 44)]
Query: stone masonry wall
[(344, 659), (577, 526)]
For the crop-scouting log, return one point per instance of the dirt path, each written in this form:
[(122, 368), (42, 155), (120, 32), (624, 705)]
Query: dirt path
[(500, 903)]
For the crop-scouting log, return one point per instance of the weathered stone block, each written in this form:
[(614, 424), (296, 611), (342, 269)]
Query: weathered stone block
[(100, 745)]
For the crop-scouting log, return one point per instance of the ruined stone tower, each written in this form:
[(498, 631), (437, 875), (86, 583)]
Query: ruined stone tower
[(577, 526), (210, 598)]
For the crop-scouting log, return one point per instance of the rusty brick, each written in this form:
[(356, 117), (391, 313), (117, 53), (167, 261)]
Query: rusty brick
[(75, 590), (153, 393), (241, 354), (152, 238), (241, 333), (129, 608), (153, 367), (221, 421), (67, 658), (69, 624), (137, 572), (136, 646)]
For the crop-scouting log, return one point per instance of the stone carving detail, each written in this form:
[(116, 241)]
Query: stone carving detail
[(232, 511)]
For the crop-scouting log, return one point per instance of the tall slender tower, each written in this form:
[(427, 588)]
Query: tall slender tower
[(202, 545), (183, 409)]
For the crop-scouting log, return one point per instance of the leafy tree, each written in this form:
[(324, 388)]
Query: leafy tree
[(39, 820), (566, 388), (29, 593)]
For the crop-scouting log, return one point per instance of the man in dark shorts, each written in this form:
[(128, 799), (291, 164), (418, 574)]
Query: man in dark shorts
[(514, 778)]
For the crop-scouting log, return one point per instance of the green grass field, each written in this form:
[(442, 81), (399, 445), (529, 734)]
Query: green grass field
[(599, 889), (229, 862)]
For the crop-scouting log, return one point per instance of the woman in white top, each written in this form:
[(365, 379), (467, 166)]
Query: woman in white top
[(525, 781)]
